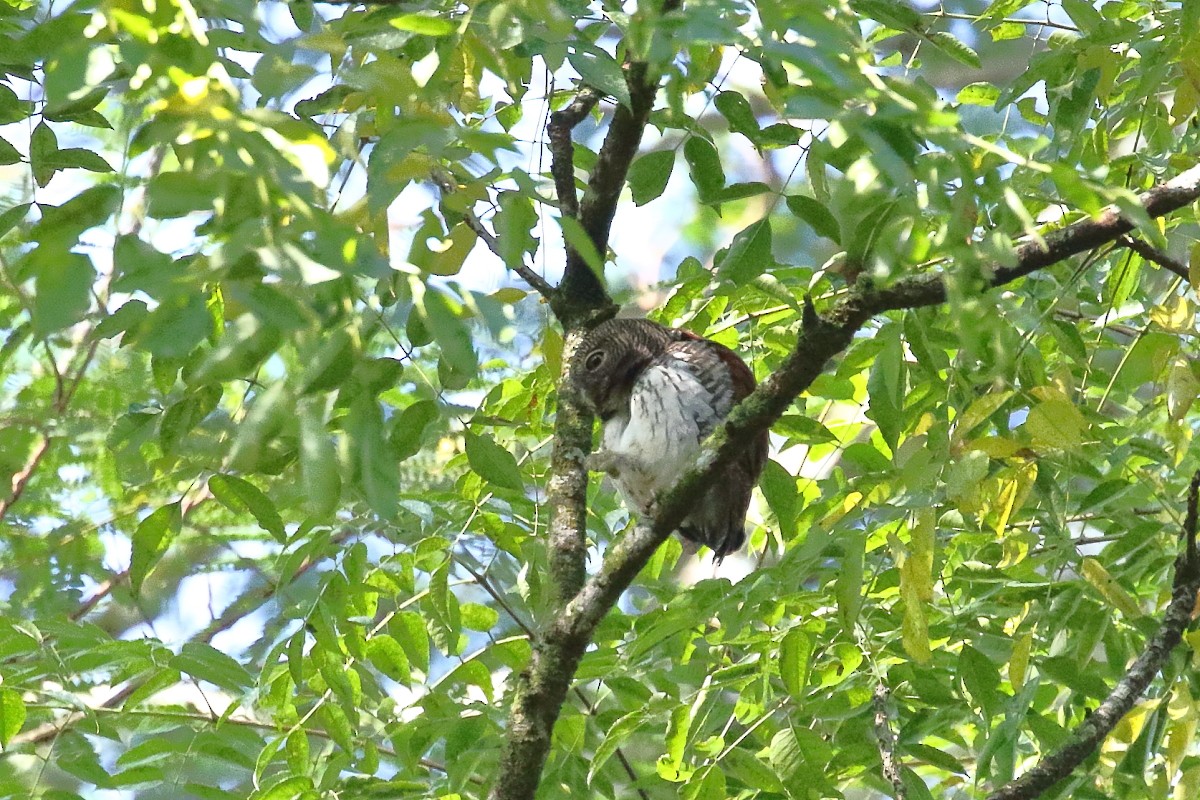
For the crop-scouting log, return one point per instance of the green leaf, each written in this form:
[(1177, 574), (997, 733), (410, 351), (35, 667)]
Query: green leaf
[(319, 468), (779, 488), (205, 662), (785, 754), (738, 113), (8, 153), (425, 24), (181, 417), (578, 240), (952, 47), (128, 316), (601, 71), (88, 209), (704, 165), (648, 176), (740, 191), (331, 363), (617, 734), (514, 221), (409, 427), (816, 215), (389, 657), (980, 677), (12, 715), (1055, 424), (43, 145), (378, 477), (177, 194), (795, 652), (12, 217), (848, 586), (151, 539), (677, 733), (887, 386), (493, 463), (291, 787), (748, 255), (63, 292), (478, 617), (73, 108), (448, 331), (409, 630), (239, 496), (978, 94), (175, 327), (77, 157)]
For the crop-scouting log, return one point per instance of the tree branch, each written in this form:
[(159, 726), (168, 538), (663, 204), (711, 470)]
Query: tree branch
[(886, 741), (1088, 735), (1155, 256), (579, 284), (543, 685)]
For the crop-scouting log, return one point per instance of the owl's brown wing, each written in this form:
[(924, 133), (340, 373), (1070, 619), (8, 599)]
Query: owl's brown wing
[(719, 518)]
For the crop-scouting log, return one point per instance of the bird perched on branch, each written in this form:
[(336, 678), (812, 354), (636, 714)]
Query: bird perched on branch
[(659, 393)]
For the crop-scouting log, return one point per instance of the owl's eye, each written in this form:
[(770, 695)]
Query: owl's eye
[(594, 360)]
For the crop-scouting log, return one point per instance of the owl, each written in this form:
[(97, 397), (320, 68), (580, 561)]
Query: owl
[(659, 392)]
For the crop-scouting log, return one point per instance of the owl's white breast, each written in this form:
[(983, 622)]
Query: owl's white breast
[(659, 438)]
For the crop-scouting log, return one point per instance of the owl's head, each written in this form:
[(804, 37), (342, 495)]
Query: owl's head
[(611, 357)]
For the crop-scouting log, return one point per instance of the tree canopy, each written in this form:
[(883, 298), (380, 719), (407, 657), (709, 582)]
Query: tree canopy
[(292, 487)]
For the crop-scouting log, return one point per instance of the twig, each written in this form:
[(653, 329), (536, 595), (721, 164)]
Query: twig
[(886, 739), (1075, 316), (539, 284), (1088, 735), (1035, 23), (1155, 256), (21, 479)]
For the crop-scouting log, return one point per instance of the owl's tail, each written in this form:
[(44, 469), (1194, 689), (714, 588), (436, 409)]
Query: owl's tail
[(719, 520)]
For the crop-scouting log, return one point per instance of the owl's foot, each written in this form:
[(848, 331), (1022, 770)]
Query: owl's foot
[(604, 461), (650, 509)]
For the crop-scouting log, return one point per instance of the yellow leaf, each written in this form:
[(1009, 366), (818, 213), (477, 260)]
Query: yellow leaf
[(982, 408), (1182, 388), (1129, 728), (1055, 424), (916, 587), (920, 555), (849, 502), (1018, 662), (1188, 787), (1095, 574), (1013, 494), (1193, 640), (1176, 315), (915, 628), (1180, 735)]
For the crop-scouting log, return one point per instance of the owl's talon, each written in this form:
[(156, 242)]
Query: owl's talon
[(602, 461)]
